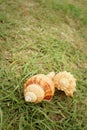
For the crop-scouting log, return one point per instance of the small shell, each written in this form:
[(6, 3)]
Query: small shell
[(66, 82), (38, 87)]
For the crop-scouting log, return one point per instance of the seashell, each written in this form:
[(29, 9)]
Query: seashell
[(39, 87), (66, 82)]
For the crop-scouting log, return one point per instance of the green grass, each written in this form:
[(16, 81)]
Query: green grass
[(40, 36)]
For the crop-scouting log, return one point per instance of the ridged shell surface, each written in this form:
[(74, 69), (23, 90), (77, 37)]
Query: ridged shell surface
[(66, 82), (44, 82)]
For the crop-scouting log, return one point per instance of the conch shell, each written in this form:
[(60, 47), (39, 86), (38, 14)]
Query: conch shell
[(66, 82), (39, 87)]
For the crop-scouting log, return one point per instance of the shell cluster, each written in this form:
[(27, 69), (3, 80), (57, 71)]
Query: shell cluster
[(42, 87)]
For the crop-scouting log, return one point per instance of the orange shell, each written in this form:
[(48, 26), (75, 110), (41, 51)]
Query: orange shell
[(45, 82)]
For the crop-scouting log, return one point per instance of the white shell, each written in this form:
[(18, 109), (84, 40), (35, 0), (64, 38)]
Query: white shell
[(66, 82)]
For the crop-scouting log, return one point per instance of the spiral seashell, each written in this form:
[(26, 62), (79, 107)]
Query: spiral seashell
[(39, 87), (66, 82)]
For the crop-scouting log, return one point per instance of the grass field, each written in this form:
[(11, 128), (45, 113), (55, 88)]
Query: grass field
[(40, 36)]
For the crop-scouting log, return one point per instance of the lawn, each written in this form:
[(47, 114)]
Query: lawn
[(40, 36)]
